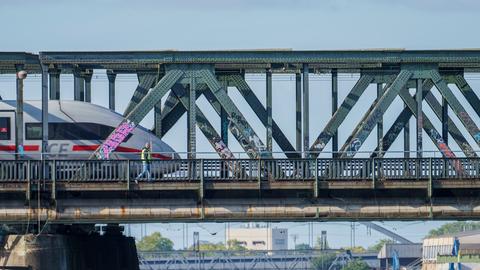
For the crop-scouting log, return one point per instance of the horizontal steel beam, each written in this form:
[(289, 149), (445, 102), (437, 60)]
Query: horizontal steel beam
[(213, 210)]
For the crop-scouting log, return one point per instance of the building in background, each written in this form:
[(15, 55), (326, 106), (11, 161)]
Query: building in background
[(438, 250), (409, 255), (259, 238)]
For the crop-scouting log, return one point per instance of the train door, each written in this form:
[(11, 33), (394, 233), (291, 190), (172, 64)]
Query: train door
[(7, 134)]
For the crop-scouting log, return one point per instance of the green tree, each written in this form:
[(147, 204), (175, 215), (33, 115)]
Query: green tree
[(379, 244), (155, 242), (356, 265), (454, 227), (235, 245), (323, 261)]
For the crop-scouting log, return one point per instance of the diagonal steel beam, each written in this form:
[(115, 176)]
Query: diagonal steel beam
[(138, 113), (405, 115), (340, 115), (203, 124), (259, 109), (249, 139), (427, 125), (145, 82), (468, 92), (357, 138), (456, 106)]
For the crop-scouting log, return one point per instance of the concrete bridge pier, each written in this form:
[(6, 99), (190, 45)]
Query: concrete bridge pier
[(70, 251)]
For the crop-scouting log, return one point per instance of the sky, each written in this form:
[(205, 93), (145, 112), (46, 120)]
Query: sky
[(105, 25)]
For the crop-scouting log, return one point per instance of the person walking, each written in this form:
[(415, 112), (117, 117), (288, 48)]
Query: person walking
[(146, 157)]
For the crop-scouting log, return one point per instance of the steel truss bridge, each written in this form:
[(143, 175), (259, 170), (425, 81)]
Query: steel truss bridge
[(298, 187)]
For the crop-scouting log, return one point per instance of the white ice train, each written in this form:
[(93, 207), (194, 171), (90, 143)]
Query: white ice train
[(75, 130)]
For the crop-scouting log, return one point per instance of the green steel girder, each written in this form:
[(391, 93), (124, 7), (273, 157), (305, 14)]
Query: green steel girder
[(240, 127), (468, 92), (239, 82), (427, 125), (145, 82), (456, 106), (340, 115), (406, 114), (361, 133), (203, 124)]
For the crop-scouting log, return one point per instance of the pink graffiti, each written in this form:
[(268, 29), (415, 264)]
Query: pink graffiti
[(115, 139)]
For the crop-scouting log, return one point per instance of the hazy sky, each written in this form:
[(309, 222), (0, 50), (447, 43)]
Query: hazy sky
[(48, 25)]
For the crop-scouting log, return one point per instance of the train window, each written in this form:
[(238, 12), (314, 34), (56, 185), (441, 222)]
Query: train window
[(5, 128), (70, 131), (33, 131)]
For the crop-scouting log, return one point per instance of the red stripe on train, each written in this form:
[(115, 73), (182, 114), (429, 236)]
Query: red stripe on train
[(12, 148), (120, 149)]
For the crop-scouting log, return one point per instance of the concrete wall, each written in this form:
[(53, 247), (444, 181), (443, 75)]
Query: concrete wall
[(260, 238), (69, 252)]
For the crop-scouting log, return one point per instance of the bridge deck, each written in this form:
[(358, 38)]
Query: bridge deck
[(215, 189)]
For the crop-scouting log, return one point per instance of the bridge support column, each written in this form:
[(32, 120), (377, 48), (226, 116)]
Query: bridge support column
[(334, 109), (419, 99), (192, 119), (44, 108), (78, 86), (70, 252), (88, 85), (298, 110), (445, 119), (111, 89), (269, 109), (380, 123), (406, 138), (54, 84), (306, 109)]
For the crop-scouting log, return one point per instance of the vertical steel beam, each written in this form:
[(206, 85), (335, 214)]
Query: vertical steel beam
[(334, 109), (257, 107), (419, 99), (340, 115), (145, 82), (157, 119), (380, 123), (19, 110), (224, 117), (88, 85), (54, 84), (406, 137), (456, 106), (362, 131), (306, 111), (111, 75), (191, 119), (445, 119), (298, 112), (44, 108), (78, 86), (268, 126)]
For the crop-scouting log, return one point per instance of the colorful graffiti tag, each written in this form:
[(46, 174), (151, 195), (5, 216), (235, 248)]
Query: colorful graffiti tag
[(115, 139)]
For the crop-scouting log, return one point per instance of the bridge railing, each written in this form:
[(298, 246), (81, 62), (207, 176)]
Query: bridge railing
[(242, 169)]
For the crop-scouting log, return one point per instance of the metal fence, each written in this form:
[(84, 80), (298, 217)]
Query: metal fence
[(242, 169)]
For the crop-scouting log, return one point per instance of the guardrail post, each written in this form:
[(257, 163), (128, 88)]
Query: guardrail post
[(201, 191), (29, 182), (54, 180), (259, 174), (374, 179), (127, 171), (315, 186), (430, 179)]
